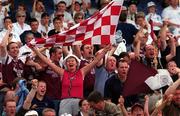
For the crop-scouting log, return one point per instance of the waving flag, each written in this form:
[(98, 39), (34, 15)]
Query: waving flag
[(98, 29)]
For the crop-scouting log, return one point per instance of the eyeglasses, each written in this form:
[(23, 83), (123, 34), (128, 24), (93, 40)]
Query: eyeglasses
[(21, 16)]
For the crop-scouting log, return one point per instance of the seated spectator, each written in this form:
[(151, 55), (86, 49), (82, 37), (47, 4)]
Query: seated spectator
[(3, 14), (58, 27), (34, 24), (21, 7), (78, 7), (20, 26), (9, 108), (97, 103), (44, 26), (13, 36), (84, 108), (61, 7), (48, 112), (78, 17), (154, 17), (132, 11), (171, 14)]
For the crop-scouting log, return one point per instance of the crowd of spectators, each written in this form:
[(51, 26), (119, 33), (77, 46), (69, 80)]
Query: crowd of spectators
[(88, 80)]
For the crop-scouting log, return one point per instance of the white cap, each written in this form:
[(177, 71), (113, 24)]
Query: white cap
[(149, 4), (68, 56), (31, 112)]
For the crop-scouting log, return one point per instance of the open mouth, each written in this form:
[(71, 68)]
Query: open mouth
[(71, 65)]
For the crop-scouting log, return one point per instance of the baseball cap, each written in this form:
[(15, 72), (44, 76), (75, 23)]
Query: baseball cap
[(149, 4)]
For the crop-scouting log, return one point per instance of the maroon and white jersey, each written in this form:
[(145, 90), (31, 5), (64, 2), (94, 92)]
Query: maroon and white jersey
[(11, 69)]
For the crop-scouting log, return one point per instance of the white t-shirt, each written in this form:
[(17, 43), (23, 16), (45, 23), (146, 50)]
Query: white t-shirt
[(15, 36), (172, 14), (18, 30), (155, 18)]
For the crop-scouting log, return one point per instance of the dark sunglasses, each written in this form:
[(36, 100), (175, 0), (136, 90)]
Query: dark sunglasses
[(21, 16)]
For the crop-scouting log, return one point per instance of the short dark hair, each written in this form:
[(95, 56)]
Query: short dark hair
[(124, 54), (9, 44), (53, 50), (121, 61), (56, 18), (7, 18), (80, 102), (61, 2), (95, 97), (33, 20), (45, 14)]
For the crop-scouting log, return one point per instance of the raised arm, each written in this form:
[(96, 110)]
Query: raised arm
[(55, 68), (31, 94), (163, 36), (98, 57), (137, 44), (173, 49), (4, 42), (146, 108), (171, 89), (33, 9), (122, 107)]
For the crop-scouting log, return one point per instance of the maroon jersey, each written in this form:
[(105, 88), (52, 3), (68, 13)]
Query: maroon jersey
[(12, 69), (89, 79)]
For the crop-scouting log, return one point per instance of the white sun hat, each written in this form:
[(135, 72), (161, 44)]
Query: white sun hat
[(68, 56)]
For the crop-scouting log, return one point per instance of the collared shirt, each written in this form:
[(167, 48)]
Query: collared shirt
[(42, 29), (18, 29)]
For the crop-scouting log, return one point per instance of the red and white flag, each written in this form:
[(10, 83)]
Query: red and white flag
[(98, 29)]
